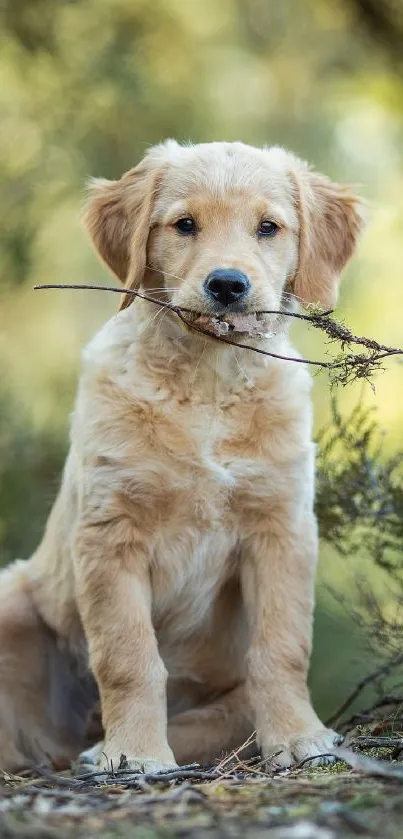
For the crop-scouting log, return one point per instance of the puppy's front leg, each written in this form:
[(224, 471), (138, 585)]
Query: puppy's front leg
[(114, 597), (278, 587)]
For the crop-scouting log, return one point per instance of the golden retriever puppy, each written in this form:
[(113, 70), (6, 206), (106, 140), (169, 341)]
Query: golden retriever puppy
[(175, 578)]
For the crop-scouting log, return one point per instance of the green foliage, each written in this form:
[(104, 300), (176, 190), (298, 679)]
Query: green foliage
[(360, 490), (360, 510), (30, 468)]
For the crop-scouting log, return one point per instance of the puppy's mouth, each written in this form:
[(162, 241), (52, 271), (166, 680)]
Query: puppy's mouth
[(232, 324)]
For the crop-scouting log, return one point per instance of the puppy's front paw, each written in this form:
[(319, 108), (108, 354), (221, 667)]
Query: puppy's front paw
[(311, 744), (148, 765), (103, 757)]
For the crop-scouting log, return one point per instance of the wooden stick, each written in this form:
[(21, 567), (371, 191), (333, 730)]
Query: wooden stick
[(350, 367)]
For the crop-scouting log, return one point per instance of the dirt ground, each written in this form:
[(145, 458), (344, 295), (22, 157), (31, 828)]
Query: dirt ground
[(363, 797)]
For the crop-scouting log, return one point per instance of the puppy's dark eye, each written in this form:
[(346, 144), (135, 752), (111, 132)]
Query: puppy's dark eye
[(186, 225), (267, 228)]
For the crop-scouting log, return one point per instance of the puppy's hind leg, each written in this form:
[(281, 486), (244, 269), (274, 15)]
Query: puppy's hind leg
[(43, 706), (211, 730)]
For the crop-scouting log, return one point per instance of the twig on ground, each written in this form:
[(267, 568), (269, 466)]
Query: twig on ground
[(234, 754), (132, 778), (56, 778)]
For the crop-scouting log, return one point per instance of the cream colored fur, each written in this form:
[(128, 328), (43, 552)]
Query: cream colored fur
[(178, 562)]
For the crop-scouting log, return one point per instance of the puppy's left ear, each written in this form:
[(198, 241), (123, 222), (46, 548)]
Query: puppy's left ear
[(117, 218), (330, 222)]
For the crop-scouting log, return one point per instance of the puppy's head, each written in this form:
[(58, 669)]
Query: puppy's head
[(222, 227)]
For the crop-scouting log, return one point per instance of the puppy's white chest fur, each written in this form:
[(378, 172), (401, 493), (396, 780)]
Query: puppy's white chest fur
[(194, 543)]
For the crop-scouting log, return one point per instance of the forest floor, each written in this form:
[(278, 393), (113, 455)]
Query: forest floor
[(361, 794)]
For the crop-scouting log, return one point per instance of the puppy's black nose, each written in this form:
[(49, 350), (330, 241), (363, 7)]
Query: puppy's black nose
[(226, 285)]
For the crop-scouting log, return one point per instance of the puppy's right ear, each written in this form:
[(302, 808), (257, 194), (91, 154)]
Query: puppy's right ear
[(106, 220), (117, 218)]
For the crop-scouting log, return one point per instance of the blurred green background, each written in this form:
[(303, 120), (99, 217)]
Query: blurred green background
[(87, 86)]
